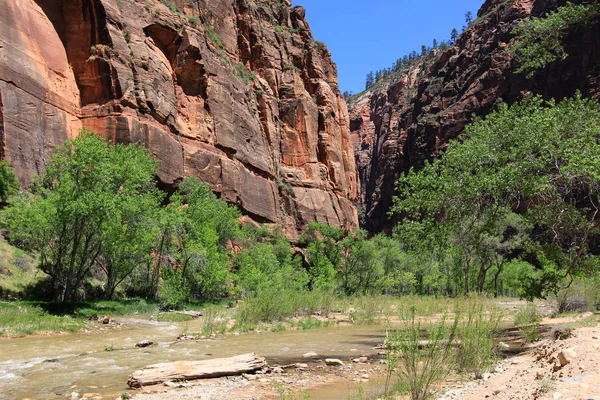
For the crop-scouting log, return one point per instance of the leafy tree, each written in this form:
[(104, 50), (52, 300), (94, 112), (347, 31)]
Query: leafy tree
[(539, 41), (267, 263), (538, 159), (324, 254), (9, 183), (198, 229), (92, 200)]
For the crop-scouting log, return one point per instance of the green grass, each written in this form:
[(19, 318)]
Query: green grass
[(21, 267), (18, 319), (173, 317), (527, 320)]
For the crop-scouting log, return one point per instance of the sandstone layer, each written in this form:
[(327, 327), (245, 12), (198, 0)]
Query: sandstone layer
[(411, 117), (234, 92)]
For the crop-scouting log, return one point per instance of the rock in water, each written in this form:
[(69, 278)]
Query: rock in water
[(145, 343)]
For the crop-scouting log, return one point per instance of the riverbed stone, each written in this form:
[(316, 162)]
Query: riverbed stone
[(145, 343), (566, 356), (334, 362)]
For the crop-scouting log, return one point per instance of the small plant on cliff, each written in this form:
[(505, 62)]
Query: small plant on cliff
[(210, 33), (242, 73), (193, 20)]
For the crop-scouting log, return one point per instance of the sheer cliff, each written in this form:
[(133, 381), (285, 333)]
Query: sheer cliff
[(412, 115), (234, 92)]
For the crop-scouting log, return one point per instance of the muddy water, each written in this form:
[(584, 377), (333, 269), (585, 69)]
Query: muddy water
[(53, 367)]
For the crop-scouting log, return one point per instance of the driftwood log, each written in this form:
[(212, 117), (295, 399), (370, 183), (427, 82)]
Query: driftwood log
[(190, 370)]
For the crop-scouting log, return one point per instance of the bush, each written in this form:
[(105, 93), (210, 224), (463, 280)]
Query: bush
[(571, 299), (193, 20), (9, 183), (419, 355), (477, 334), (527, 320), (242, 73)]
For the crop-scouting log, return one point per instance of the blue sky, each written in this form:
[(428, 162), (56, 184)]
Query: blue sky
[(366, 36)]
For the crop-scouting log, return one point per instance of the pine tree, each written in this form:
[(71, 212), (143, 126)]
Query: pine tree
[(453, 36), (370, 80)]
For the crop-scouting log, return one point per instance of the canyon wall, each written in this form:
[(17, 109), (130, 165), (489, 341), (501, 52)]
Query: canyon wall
[(411, 116), (234, 92)]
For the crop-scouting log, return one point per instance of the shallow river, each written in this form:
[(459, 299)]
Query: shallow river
[(53, 367)]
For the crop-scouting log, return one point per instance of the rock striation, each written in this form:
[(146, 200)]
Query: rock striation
[(411, 117), (234, 92)]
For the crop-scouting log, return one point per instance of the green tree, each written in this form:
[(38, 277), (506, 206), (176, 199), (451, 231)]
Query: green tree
[(324, 254), (198, 228), (453, 36), (537, 159), (539, 41), (469, 18), (92, 200), (9, 183)]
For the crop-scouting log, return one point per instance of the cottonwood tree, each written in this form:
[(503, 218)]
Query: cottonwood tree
[(90, 210), (536, 159)]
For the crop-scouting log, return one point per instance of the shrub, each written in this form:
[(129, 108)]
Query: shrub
[(569, 299), (477, 334), (527, 320), (242, 73), (210, 33), (193, 20), (419, 355), (9, 183), (539, 40)]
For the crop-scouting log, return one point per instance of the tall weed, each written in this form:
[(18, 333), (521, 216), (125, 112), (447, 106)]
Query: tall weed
[(419, 354), (477, 332)]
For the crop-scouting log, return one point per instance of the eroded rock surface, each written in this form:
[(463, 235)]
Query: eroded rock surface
[(235, 92), (411, 118)]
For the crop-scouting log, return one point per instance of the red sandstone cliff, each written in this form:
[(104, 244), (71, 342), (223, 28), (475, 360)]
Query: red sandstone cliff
[(412, 116), (275, 141)]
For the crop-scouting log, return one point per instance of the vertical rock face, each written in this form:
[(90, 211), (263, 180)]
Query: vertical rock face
[(412, 117), (234, 92)]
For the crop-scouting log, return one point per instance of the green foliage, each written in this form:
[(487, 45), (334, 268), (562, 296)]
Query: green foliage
[(533, 164), (91, 210), (22, 319), (272, 306), (213, 36), (9, 183), (193, 20), (539, 41), (192, 255), (268, 264), (242, 73), (171, 6), (419, 354), (527, 320), (477, 333)]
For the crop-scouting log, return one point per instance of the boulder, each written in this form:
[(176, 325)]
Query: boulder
[(566, 356)]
